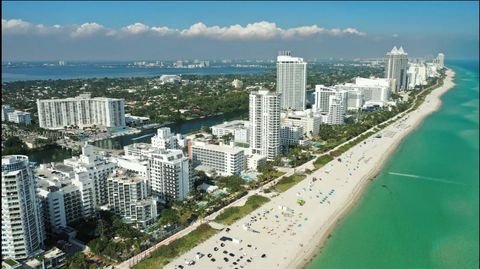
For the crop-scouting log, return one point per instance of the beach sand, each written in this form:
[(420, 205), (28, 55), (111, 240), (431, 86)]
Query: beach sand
[(289, 234)]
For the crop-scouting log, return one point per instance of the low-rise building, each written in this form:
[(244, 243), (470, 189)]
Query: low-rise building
[(238, 128), (307, 120), (290, 135), (226, 160)]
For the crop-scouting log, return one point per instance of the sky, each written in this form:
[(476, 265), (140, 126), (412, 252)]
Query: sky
[(42, 31)]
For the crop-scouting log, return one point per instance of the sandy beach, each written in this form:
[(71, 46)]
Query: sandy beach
[(284, 234)]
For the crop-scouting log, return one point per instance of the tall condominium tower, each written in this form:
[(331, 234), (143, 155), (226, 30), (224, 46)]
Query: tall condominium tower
[(22, 227), (170, 174), (291, 80), (264, 117), (322, 98), (440, 60), (396, 65)]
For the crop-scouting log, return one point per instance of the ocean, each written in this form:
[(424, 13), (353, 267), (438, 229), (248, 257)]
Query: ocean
[(427, 216), (35, 71)]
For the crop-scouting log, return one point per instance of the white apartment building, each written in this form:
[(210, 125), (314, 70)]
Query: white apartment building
[(61, 205), (396, 65), (90, 166), (238, 128), (138, 149), (290, 135), (170, 79), (440, 60), (416, 75), (61, 200), (432, 70), (371, 89), (20, 117), (128, 198), (355, 99), (83, 111), (307, 120), (225, 160), (336, 111), (171, 177), (322, 98), (237, 84), (164, 139), (22, 225), (264, 115), (5, 110), (291, 81)]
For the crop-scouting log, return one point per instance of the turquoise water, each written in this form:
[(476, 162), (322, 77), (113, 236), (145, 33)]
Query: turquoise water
[(426, 221)]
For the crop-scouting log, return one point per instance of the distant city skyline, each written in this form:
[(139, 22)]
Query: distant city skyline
[(89, 31)]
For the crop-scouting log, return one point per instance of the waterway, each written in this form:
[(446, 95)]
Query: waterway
[(57, 154), (36, 71), (422, 211)]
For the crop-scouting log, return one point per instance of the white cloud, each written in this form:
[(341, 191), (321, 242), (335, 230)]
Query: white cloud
[(136, 28), (262, 30), (395, 35), (15, 26), (87, 29)]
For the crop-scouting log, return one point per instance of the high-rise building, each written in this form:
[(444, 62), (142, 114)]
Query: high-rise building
[(91, 170), (396, 65), (264, 115), (164, 139), (170, 174), (291, 81), (128, 197), (20, 117), (82, 111), (6, 109), (440, 60), (372, 89), (417, 75), (22, 225), (336, 110), (61, 206), (322, 98)]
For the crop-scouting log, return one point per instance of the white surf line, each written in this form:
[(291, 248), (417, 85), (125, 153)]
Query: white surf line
[(426, 178)]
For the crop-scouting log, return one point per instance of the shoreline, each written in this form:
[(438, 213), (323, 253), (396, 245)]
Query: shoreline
[(289, 234), (320, 239)]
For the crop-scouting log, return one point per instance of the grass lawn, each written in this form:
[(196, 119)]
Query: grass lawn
[(165, 254), (321, 161), (232, 214), (288, 182)]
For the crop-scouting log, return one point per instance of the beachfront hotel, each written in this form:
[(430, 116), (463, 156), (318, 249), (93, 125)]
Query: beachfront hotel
[(306, 119), (82, 111), (226, 160), (22, 225), (372, 90), (291, 81), (90, 170), (128, 198), (264, 115), (331, 102), (396, 65), (171, 177)]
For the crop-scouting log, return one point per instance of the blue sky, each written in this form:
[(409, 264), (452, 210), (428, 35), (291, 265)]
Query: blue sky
[(369, 27)]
